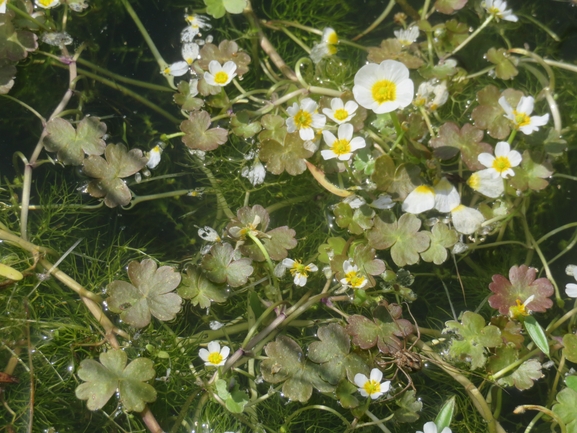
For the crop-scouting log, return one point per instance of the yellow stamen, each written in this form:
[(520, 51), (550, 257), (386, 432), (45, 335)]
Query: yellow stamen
[(333, 39), (341, 114), (521, 119), (215, 358), (221, 77), (303, 119), (341, 147), (372, 387), (384, 91), (299, 268), (501, 164), (474, 181), (354, 280)]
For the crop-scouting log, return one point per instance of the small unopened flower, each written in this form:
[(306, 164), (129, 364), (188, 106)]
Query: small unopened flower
[(299, 271), (371, 386), (154, 156), (521, 115), (431, 427), (498, 8), (431, 94), (520, 310), (304, 118), (327, 46), (255, 173), (218, 75), (466, 220), (408, 36), (214, 356), (485, 182), (503, 162), (341, 112), (343, 147), (177, 69), (384, 87), (571, 288), (190, 52), (47, 4), (353, 278)]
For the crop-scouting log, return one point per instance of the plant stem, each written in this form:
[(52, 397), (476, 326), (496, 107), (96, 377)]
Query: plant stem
[(221, 201), (378, 21), (28, 107), (471, 36), (548, 412), (139, 199)]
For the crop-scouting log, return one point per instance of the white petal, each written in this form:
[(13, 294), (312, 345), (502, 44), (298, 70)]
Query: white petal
[(347, 267), (345, 131), (312, 267), (288, 263), (203, 353), (293, 109), (485, 182), (486, 159), (376, 395), (337, 103), (515, 158), (405, 93), (466, 220), (306, 134), (430, 427), (446, 196), (328, 154), (351, 107), (300, 280), (214, 346), (385, 386), (526, 104), (501, 149), (394, 71), (506, 107), (329, 138), (214, 67), (571, 290), (376, 375), (571, 270), (309, 105), (318, 122), (224, 352), (421, 199), (360, 380)]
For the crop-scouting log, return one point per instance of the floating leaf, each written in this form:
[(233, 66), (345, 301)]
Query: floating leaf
[(565, 408), (356, 221), (71, 144), (226, 51), (112, 375), (384, 331), (570, 347), (151, 292), (571, 382), (235, 400), (223, 264), (14, 44), (333, 247), (448, 7), (524, 377), (510, 331), (198, 136), (467, 140), (406, 179), (289, 156), (187, 90), (392, 49), (333, 353), (109, 172), (402, 236), (521, 286), (286, 363), (489, 115), (442, 237), (504, 63), (409, 407), (199, 289), (532, 172), (242, 126), (537, 334), (345, 393), (475, 338), (274, 128)]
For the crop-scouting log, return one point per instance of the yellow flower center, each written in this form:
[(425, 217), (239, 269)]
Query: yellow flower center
[(341, 147), (372, 387), (340, 114), (495, 11), (221, 78), (299, 268), (45, 3), (501, 164), (384, 91), (303, 119), (333, 39), (519, 310), (424, 189), (166, 71), (355, 281), (215, 358), (521, 119), (474, 181)]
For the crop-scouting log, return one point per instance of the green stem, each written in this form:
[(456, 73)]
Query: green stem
[(28, 107), (24, 15), (565, 176), (554, 232), (378, 21), (140, 199), (288, 202), (298, 41), (257, 322), (166, 137), (471, 37), (264, 252), (514, 365), (544, 410), (512, 135), (396, 123), (279, 101), (316, 407)]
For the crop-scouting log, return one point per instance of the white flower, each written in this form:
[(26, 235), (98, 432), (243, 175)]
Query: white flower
[(208, 234), (520, 116), (446, 196), (195, 23), (214, 356), (47, 4), (304, 118), (327, 46), (431, 94), (354, 201), (343, 147), (421, 199), (372, 386), (485, 182), (218, 75), (255, 173), (3, 6), (299, 271), (352, 277), (383, 88), (408, 36), (154, 156), (190, 52), (466, 220), (503, 162), (497, 8), (571, 288), (431, 427), (177, 69), (341, 112)]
